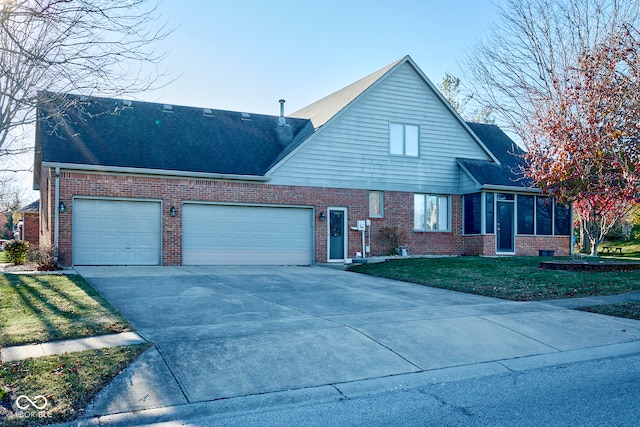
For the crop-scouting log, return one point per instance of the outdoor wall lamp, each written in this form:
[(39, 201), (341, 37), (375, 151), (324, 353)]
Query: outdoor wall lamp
[(172, 211), (321, 216), (61, 207)]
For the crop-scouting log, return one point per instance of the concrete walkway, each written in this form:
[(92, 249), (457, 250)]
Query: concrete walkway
[(21, 352)]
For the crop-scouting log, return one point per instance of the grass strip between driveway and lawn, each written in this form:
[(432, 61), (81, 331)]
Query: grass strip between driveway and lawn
[(36, 308), (512, 278), (628, 310)]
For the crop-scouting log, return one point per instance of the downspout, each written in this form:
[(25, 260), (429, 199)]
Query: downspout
[(56, 212)]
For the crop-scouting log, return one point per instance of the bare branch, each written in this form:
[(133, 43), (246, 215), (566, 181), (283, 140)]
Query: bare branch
[(92, 47), (524, 59)]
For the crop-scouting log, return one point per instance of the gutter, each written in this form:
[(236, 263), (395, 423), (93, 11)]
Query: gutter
[(56, 213), (154, 172), (506, 188)]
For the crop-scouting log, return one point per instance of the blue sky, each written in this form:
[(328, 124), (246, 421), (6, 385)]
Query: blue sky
[(244, 55)]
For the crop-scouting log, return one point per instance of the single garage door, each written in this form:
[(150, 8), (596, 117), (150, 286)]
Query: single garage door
[(246, 235), (116, 232)]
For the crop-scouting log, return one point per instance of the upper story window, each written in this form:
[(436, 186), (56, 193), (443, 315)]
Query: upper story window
[(404, 139)]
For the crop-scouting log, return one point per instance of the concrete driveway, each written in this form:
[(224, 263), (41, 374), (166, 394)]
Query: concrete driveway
[(225, 332)]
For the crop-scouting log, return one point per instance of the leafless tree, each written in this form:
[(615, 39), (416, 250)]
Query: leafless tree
[(452, 89), (525, 58), (89, 47)]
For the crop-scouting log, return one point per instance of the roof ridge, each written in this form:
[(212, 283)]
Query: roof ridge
[(322, 110), (55, 95)]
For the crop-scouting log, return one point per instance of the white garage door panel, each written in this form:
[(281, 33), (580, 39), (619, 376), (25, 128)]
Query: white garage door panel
[(116, 232), (246, 235)]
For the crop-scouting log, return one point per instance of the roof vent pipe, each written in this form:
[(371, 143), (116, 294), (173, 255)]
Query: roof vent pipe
[(281, 120)]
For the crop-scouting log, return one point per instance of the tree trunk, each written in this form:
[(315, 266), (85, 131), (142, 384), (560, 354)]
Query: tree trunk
[(595, 244), (585, 242)]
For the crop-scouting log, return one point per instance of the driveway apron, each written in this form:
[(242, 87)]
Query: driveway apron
[(223, 332)]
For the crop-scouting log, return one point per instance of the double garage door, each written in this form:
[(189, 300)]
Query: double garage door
[(246, 235), (123, 232)]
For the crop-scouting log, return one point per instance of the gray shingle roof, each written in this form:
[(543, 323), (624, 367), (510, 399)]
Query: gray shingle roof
[(324, 109), (148, 136), (145, 135), (509, 171), (33, 207)]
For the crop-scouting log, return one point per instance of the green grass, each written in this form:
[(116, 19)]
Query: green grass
[(630, 249), (40, 308), (629, 310), (68, 382), (512, 278)]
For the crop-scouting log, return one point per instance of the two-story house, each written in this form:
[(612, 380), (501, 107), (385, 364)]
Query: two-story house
[(136, 183)]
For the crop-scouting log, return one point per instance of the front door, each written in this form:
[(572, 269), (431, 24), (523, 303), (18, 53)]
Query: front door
[(504, 227), (337, 234)]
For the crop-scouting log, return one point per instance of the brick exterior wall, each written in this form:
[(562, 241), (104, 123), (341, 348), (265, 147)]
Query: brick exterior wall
[(525, 245), (31, 229), (530, 245), (479, 245), (398, 212)]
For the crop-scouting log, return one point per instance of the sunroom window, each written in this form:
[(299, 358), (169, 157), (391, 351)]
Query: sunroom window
[(525, 214), (473, 213), (544, 216)]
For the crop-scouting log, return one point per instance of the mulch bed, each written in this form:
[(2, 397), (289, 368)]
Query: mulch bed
[(12, 268)]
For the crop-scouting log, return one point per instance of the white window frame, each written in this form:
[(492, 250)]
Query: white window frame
[(423, 201), (400, 130)]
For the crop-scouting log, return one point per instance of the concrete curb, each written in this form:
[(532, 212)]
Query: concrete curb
[(192, 412), (32, 270)]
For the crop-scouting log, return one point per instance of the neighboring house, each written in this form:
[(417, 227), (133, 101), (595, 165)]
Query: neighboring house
[(159, 184), (26, 221)]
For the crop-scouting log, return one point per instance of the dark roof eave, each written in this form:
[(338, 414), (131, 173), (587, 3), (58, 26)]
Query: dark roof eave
[(512, 189)]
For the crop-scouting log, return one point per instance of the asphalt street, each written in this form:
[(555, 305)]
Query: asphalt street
[(595, 393)]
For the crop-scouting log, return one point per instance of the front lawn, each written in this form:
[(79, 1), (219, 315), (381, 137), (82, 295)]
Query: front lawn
[(48, 307), (60, 386), (513, 278), (40, 308)]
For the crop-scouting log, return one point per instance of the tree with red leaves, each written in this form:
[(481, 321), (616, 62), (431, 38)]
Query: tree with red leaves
[(585, 145)]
